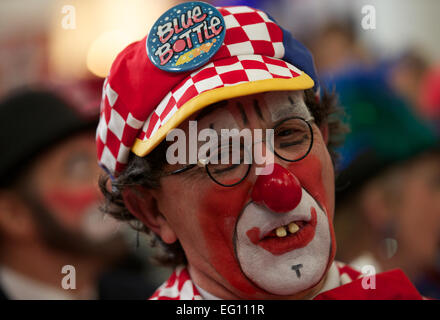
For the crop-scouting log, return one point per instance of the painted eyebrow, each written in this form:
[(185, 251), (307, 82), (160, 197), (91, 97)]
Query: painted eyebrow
[(243, 114), (257, 109)]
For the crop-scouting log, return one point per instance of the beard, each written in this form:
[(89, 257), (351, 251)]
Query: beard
[(89, 241)]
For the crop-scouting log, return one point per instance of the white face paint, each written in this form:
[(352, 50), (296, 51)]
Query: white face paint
[(274, 273), (282, 103)]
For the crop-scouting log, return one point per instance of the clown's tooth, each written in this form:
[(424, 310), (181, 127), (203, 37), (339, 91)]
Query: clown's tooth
[(281, 232), (293, 227)]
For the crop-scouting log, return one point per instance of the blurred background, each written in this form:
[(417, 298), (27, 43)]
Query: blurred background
[(382, 58)]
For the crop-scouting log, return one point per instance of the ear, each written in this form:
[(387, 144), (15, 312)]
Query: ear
[(325, 132), (142, 203)]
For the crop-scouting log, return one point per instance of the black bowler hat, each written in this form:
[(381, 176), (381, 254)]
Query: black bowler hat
[(31, 121)]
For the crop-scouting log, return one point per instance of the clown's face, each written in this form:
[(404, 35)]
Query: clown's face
[(64, 190), (271, 236)]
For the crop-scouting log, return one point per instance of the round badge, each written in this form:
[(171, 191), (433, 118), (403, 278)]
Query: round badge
[(186, 37)]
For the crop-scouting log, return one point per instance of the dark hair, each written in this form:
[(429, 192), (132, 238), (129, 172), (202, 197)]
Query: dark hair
[(146, 172)]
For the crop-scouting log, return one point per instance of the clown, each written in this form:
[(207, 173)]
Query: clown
[(49, 204), (232, 230)]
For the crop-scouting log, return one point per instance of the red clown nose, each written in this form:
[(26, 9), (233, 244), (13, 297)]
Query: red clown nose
[(280, 190)]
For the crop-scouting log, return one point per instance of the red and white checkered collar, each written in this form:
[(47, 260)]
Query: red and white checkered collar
[(181, 287)]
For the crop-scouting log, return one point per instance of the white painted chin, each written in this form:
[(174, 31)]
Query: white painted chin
[(274, 273)]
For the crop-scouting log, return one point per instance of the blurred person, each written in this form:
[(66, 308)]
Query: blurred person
[(335, 47), (407, 77), (388, 195), (430, 96), (231, 230), (49, 206)]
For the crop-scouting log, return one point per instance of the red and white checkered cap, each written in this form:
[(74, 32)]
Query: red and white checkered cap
[(141, 103)]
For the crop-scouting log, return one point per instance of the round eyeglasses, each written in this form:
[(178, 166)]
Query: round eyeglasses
[(228, 166)]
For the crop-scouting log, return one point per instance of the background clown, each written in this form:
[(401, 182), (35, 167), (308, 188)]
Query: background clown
[(231, 233)]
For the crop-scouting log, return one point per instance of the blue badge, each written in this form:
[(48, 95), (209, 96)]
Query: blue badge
[(186, 37)]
